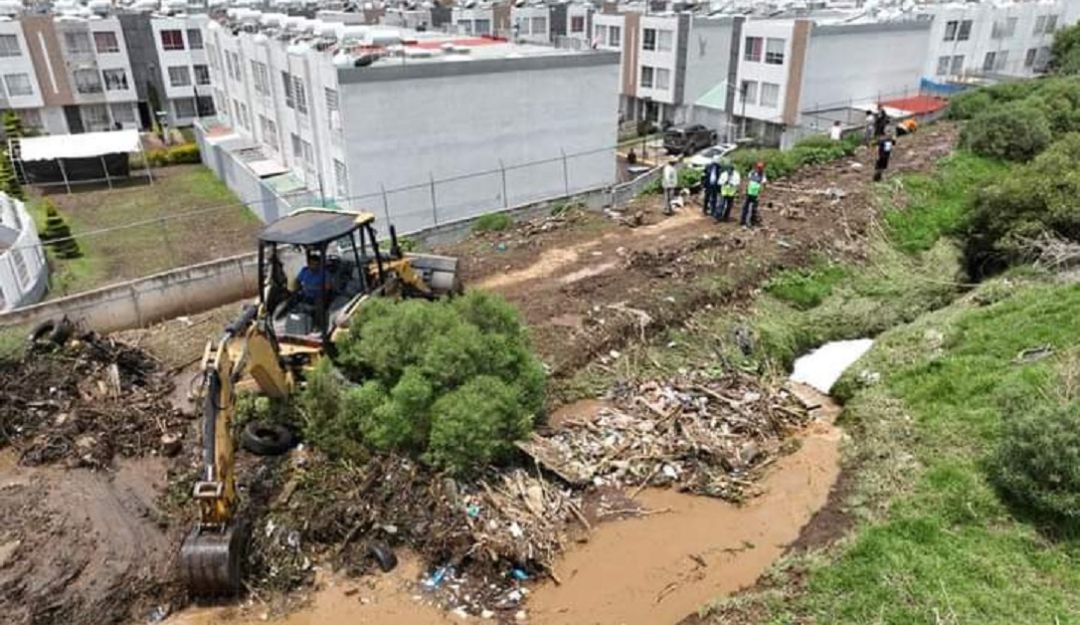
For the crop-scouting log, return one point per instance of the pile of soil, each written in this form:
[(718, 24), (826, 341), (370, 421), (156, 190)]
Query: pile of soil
[(87, 401)]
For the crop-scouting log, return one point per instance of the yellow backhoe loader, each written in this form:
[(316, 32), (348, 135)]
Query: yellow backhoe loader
[(274, 341)]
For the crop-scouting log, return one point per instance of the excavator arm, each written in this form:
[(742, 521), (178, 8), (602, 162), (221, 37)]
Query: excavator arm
[(212, 555)]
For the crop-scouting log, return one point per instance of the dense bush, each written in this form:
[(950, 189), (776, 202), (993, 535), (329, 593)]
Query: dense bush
[(1016, 131), (1038, 198), (492, 222), (452, 382), (1037, 463), (1065, 53), (187, 153)]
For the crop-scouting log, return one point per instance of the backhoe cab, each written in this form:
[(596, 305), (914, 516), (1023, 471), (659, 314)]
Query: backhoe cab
[(271, 344)]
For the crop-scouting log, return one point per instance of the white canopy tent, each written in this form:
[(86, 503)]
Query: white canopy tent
[(87, 145)]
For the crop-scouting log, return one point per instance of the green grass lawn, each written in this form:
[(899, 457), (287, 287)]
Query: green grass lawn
[(934, 541), (166, 241)]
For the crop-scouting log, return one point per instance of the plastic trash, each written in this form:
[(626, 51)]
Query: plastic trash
[(437, 578), (519, 574)]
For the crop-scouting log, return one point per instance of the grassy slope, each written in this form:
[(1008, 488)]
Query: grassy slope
[(925, 407), (133, 252)]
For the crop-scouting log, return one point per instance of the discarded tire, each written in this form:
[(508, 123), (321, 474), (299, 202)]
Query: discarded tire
[(266, 439), (384, 556), (55, 332)]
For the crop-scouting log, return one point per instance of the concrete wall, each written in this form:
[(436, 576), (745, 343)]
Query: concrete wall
[(467, 117), (889, 61), (262, 200)]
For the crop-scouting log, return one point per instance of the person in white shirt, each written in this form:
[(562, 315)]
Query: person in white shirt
[(669, 180), (837, 131)]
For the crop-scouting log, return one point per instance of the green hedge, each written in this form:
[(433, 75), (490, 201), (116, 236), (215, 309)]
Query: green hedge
[(187, 153), (1016, 131)]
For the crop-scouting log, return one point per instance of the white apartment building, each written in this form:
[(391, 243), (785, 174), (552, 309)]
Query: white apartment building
[(19, 88), (370, 116), (479, 20), (571, 23), (183, 65), (531, 24), (24, 273), (990, 39)]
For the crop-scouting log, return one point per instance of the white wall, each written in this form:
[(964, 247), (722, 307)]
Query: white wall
[(21, 64), (658, 59), (400, 132), (760, 72), (852, 64), (980, 42), (19, 237)]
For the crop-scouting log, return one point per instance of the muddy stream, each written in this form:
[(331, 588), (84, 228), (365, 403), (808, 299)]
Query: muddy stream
[(650, 570)]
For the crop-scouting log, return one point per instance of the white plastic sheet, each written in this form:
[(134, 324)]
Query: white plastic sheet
[(83, 145), (822, 367)]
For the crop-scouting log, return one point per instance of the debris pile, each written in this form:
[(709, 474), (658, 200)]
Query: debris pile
[(87, 401), (705, 437)]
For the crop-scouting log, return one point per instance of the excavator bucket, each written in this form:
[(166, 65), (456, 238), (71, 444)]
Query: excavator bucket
[(211, 561)]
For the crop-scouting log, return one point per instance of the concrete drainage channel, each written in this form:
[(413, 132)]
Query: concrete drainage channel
[(657, 568)]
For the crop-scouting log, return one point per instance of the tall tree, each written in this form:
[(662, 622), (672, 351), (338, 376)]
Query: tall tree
[(1065, 53)]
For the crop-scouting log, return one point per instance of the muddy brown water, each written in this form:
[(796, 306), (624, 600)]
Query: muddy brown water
[(650, 570)]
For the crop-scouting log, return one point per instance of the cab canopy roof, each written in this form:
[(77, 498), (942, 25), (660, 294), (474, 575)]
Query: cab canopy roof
[(309, 226)]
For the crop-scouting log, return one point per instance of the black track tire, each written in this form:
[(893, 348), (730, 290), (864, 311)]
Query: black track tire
[(383, 555), (266, 439), (56, 332)]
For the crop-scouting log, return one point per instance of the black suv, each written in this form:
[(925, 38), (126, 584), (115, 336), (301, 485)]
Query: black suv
[(688, 139)]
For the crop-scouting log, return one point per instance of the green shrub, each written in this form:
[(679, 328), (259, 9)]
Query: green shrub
[(1036, 199), (1065, 52), (689, 178), (492, 222), (186, 153), (57, 234), (453, 382), (968, 104), (1015, 131), (158, 157), (1037, 463)]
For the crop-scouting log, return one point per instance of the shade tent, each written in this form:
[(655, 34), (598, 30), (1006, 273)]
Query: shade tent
[(86, 145), (67, 159)]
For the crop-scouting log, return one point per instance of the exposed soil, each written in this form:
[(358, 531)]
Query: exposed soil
[(587, 284), (80, 547)]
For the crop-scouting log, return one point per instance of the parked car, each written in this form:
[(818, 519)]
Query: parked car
[(688, 139), (702, 159)]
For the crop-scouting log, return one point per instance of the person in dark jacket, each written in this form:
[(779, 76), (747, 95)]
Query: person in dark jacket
[(881, 121), (711, 182), (884, 152)]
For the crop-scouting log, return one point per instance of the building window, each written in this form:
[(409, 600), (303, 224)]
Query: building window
[(9, 45), (258, 78), (965, 31), (96, 116), (770, 94), (297, 149), (1042, 58), (299, 96), (202, 74), (1051, 24), (664, 39), (943, 65), (22, 272), (539, 25), (647, 76), (245, 121), (748, 89), (31, 118), (341, 180), (238, 70), (1001, 61), (77, 43), (194, 39), (774, 51), (1003, 29), (614, 37), (211, 53), (483, 27), (1029, 58), (122, 113), (950, 30), (577, 23), (648, 41), (184, 107), (662, 78), (115, 79), (988, 61), (87, 81), (269, 132), (332, 109), (172, 40), (957, 67), (18, 84), (309, 158), (179, 76), (106, 42), (287, 81), (752, 51), (205, 106)]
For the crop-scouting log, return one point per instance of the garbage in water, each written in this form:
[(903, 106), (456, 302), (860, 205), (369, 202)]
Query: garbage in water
[(822, 367)]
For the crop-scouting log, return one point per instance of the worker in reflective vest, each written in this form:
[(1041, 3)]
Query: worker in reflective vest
[(729, 186), (754, 182)]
